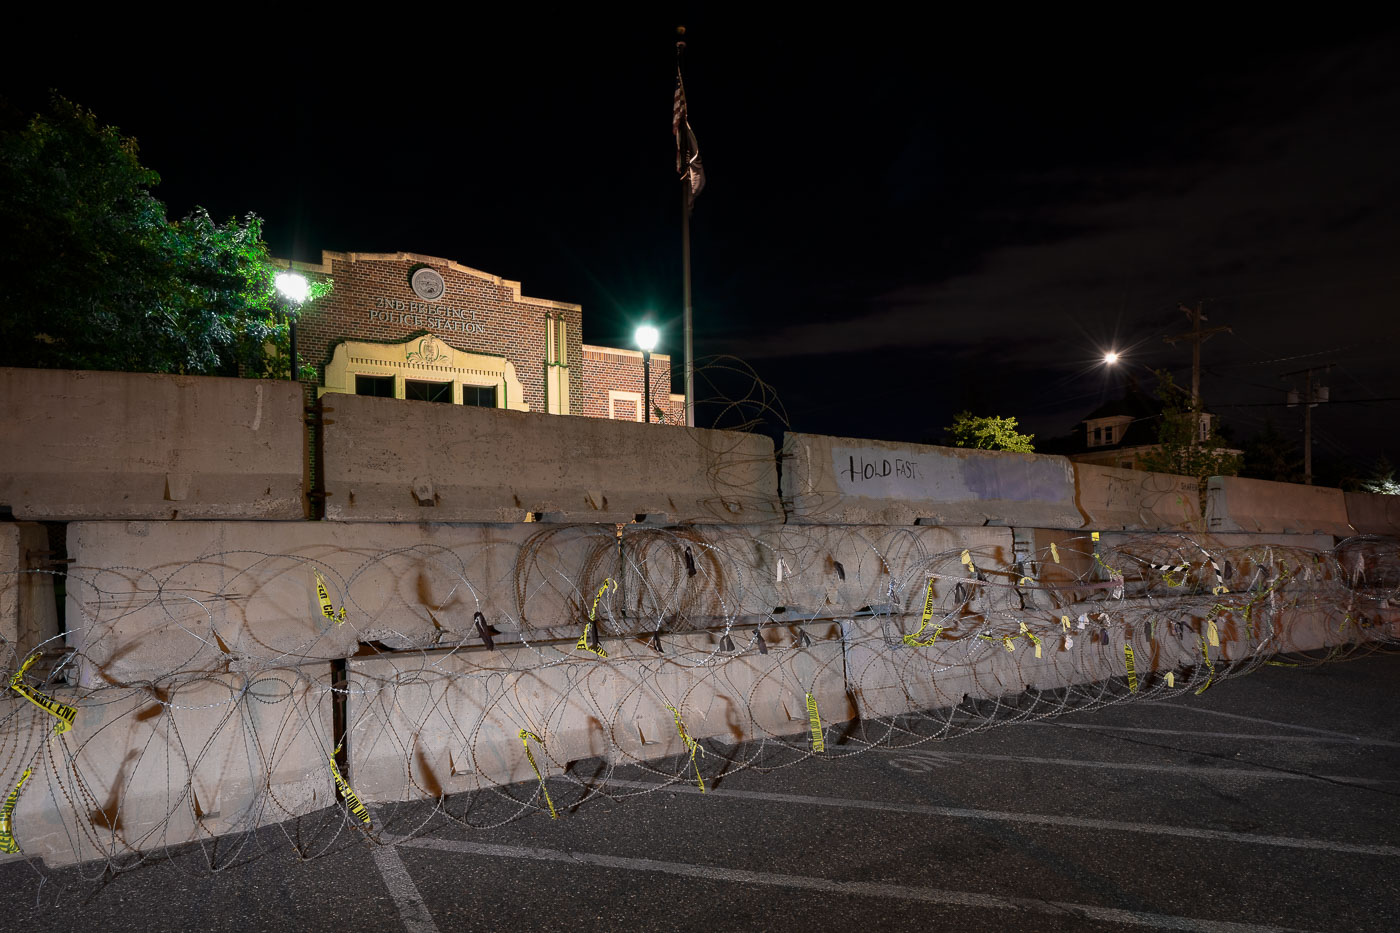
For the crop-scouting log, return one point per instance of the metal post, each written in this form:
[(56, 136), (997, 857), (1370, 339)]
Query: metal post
[(646, 383)]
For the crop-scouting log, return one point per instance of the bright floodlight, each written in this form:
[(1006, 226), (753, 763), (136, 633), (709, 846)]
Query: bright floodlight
[(1110, 358), (293, 286), (646, 338)]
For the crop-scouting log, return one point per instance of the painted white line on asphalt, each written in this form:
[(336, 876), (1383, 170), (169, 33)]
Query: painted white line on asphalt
[(1267, 722), (1041, 819), (412, 910), (1350, 740), (1164, 767), (857, 888)]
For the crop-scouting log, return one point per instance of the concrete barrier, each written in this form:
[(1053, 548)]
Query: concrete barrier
[(93, 445), (845, 481), (181, 762), (1371, 514), (394, 461), (28, 613), (146, 599), (1135, 500), (1235, 504), (448, 723)]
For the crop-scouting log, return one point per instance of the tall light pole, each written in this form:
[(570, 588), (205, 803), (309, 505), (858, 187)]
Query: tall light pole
[(294, 288), (646, 338)]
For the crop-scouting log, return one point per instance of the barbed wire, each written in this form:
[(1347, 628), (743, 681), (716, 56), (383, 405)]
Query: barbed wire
[(517, 672)]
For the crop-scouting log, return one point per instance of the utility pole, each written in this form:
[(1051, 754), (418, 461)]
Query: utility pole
[(1311, 396), (1197, 336)]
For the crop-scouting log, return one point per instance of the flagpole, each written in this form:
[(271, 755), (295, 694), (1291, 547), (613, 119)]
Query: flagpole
[(685, 259)]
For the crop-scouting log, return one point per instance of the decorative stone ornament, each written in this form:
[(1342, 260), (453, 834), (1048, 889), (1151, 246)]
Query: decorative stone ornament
[(427, 284)]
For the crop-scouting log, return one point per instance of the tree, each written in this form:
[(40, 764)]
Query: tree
[(1178, 450), (988, 433), (94, 276)]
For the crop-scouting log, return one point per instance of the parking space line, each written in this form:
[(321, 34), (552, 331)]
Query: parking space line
[(412, 910), (1349, 740), (1158, 768), (1190, 708), (1042, 819), (857, 888)]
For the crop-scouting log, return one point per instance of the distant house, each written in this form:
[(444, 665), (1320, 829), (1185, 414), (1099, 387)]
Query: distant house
[(1120, 432)]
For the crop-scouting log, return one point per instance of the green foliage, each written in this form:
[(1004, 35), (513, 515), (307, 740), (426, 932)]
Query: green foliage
[(94, 276), (1176, 450), (988, 433), (1381, 480)]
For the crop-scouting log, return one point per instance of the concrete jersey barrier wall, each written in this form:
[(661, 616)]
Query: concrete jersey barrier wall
[(1371, 514), (846, 481), (92, 445), (394, 461), (1134, 500), (1235, 504)]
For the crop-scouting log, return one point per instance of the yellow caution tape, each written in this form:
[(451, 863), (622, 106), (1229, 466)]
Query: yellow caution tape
[(967, 561), (62, 712), (690, 743), (1171, 679), (324, 596), (1094, 536), (1025, 581), (593, 612), (1008, 643), (583, 644), (913, 639), (1212, 634), (525, 736), (7, 836), (814, 718), (1064, 621), (351, 799), (1219, 590), (1132, 671), (1054, 552), (1031, 635), (1210, 668)]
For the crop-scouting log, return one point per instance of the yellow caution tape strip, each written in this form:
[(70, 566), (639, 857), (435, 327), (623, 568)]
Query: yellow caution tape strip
[(690, 743), (967, 561), (1054, 552), (7, 836), (593, 612), (815, 719), (324, 597), (352, 800), (1132, 671), (525, 736), (1210, 668), (1171, 679), (914, 640), (1212, 634), (62, 712), (589, 641)]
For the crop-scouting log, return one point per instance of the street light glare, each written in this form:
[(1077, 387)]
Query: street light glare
[(647, 337), (293, 286), (1110, 358)]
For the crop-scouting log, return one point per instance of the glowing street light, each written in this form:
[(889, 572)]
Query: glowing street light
[(646, 338), (1110, 357), (295, 289)]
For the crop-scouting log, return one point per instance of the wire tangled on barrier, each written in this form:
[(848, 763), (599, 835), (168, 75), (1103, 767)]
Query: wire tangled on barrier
[(505, 671)]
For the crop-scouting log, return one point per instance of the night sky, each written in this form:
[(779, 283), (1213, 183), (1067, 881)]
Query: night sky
[(903, 218)]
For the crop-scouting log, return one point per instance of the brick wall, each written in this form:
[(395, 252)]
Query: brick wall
[(479, 313), (605, 369)]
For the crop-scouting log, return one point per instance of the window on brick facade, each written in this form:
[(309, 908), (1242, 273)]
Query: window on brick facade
[(422, 391), (377, 386), (1108, 434), (480, 396)]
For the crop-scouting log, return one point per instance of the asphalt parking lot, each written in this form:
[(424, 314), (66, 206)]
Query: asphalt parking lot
[(1269, 803)]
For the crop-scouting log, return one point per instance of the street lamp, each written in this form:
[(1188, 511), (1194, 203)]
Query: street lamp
[(646, 338), (294, 288)]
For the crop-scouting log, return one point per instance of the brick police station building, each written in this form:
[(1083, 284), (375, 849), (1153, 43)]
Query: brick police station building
[(402, 325)]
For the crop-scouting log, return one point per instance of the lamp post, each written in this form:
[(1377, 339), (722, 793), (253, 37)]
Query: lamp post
[(646, 338), (294, 288)]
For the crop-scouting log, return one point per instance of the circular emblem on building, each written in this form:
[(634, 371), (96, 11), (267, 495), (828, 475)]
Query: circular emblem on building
[(427, 284)]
